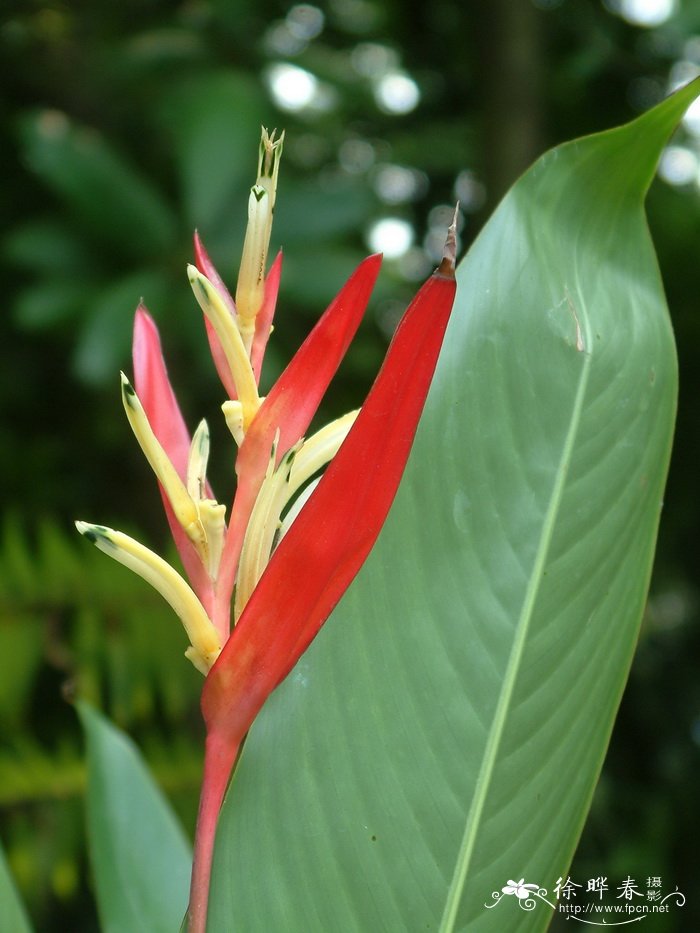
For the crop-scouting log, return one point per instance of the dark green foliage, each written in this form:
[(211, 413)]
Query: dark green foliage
[(73, 623)]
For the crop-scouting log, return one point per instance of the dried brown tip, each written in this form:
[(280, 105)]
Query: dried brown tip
[(449, 254)]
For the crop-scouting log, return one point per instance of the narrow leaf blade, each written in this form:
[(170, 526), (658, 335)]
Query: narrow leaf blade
[(13, 916), (140, 857)]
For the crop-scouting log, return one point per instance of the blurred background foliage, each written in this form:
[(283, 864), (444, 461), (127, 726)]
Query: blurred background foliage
[(122, 127)]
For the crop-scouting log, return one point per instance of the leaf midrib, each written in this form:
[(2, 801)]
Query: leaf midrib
[(459, 877)]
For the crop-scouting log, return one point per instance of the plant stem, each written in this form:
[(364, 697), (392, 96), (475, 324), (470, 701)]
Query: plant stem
[(219, 758)]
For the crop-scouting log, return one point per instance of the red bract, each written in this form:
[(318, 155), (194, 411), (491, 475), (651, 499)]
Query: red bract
[(318, 558)]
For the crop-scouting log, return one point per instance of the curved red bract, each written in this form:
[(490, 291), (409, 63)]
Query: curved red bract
[(329, 541)]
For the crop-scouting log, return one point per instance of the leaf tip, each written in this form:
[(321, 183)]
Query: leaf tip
[(449, 254)]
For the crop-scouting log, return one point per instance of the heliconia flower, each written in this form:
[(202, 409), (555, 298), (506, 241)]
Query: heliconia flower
[(294, 541)]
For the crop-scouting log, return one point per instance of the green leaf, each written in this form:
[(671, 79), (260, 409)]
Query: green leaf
[(140, 857), (21, 644), (328, 212), (13, 916), (105, 339), (445, 732), (46, 246), (214, 121), (50, 302), (118, 205)]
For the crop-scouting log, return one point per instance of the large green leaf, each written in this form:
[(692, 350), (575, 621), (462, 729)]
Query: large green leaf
[(140, 857), (445, 732)]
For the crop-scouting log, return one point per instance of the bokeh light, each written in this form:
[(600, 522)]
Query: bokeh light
[(356, 155), (397, 184), (678, 165), (295, 89), (392, 236), (469, 191), (647, 13), (396, 93)]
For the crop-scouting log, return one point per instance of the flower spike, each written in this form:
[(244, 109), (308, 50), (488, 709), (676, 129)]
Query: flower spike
[(449, 253), (297, 535), (279, 487), (153, 387)]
